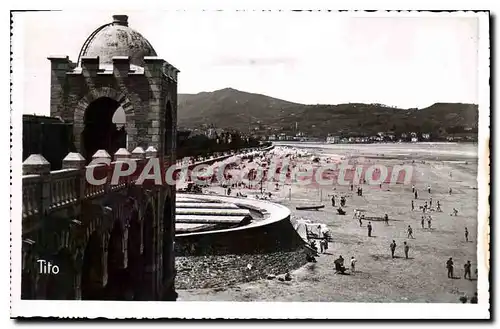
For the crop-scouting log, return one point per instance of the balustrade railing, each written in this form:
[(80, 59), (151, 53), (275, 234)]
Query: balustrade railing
[(32, 191), (63, 185), (45, 190)]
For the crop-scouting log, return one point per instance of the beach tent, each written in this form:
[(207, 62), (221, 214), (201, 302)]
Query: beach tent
[(307, 230), (300, 227)]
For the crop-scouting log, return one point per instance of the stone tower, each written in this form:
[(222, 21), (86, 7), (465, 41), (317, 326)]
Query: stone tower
[(119, 94)]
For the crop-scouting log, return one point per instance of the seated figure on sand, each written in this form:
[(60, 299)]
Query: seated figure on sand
[(339, 265)]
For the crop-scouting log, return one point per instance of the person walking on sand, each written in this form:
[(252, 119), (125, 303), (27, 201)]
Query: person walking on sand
[(422, 221), (333, 200), (386, 219), (393, 248), (353, 264), (413, 189), (369, 229), (438, 206), (429, 189), (412, 205), (429, 222), (361, 220), (449, 266), (467, 268), (430, 203), (407, 249), (416, 195), (466, 235), (410, 232)]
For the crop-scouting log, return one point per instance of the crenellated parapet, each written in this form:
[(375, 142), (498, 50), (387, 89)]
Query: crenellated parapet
[(121, 67), (90, 66), (170, 71)]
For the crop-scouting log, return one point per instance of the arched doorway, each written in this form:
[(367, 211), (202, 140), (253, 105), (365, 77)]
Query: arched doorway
[(28, 285), (148, 253), (168, 249), (61, 286), (29, 273), (92, 269), (134, 264), (117, 276), (103, 129)]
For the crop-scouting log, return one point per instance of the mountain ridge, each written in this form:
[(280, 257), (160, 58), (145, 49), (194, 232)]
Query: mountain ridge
[(230, 108)]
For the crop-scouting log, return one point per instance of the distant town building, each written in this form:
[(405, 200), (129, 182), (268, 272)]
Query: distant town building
[(333, 139)]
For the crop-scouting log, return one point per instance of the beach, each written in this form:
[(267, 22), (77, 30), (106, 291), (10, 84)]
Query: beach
[(379, 277)]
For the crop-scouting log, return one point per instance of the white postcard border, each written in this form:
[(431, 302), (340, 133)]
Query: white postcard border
[(265, 310)]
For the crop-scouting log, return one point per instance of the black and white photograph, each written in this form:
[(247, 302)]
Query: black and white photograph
[(295, 161)]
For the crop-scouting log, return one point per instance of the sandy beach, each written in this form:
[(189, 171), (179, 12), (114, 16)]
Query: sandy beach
[(378, 277)]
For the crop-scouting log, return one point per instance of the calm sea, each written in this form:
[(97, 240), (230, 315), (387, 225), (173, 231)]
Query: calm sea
[(458, 150)]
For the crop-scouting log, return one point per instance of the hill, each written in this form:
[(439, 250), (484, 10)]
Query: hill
[(229, 108)]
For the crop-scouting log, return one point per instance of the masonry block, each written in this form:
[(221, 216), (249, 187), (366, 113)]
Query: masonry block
[(138, 153), (101, 155), (73, 160), (122, 153), (151, 152), (90, 65), (121, 66), (153, 131), (36, 164), (153, 66), (60, 63)]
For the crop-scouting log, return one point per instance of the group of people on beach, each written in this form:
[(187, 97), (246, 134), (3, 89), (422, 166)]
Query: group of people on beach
[(393, 246), (467, 269), (426, 207), (340, 267), (429, 221), (342, 200)]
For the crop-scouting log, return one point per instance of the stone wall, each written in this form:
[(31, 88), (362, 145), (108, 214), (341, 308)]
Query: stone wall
[(219, 271), (271, 237), (223, 257)]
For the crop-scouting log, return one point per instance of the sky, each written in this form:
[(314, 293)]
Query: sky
[(310, 58)]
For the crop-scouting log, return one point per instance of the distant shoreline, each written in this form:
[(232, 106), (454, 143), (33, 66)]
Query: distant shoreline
[(378, 143), (436, 151)]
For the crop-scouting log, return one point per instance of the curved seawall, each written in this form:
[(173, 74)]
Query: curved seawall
[(271, 234), (251, 252)]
